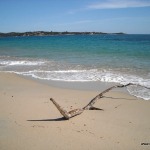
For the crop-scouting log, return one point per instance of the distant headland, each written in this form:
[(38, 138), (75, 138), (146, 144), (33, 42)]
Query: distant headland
[(44, 33)]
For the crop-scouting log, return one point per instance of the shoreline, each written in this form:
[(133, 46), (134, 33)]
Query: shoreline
[(28, 120), (82, 58), (95, 86)]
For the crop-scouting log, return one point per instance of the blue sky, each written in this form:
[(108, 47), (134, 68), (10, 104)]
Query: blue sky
[(129, 16)]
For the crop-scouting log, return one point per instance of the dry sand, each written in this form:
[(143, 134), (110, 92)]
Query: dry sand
[(29, 121)]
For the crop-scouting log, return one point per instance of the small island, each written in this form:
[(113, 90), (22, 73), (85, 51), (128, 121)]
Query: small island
[(46, 33)]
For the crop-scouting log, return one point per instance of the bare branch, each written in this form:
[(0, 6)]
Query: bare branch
[(66, 114), (89, 106), (93, 101)]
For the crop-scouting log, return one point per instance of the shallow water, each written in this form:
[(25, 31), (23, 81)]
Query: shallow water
[(81, 58)]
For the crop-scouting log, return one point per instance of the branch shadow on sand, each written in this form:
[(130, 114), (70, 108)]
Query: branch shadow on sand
[(119, 98), (57, 119), (64, 119)]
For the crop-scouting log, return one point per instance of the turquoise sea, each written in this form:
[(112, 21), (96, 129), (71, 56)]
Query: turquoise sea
[(80, 58)]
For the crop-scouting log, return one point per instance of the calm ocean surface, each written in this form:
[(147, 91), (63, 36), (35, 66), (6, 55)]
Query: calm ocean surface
[(80, 58)]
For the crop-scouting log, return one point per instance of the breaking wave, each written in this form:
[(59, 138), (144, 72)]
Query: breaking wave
[(94, 75), (58, 71)]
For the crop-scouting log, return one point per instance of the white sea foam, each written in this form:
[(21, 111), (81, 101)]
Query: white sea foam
[(139, 92), (94, 75), (116, 61), (87, 75), (20, 63), (51, 70)]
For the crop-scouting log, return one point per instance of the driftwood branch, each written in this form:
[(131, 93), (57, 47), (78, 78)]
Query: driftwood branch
[(89, 106), (66, 114)]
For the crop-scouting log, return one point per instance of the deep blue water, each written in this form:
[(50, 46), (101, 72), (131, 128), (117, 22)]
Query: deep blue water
[(107, 58)]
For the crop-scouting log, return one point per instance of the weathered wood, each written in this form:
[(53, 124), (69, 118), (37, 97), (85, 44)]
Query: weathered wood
[(61, 110), (93, 101), (66, 114), (89, 106)]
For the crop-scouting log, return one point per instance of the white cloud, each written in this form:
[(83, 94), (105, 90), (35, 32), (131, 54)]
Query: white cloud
[(113, 4)]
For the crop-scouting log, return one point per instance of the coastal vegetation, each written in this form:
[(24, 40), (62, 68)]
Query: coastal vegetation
[(46, 33)]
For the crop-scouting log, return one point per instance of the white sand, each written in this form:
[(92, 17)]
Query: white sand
[(124, 124)]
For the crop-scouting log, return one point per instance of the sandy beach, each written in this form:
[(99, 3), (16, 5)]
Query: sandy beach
[(29, 120)]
